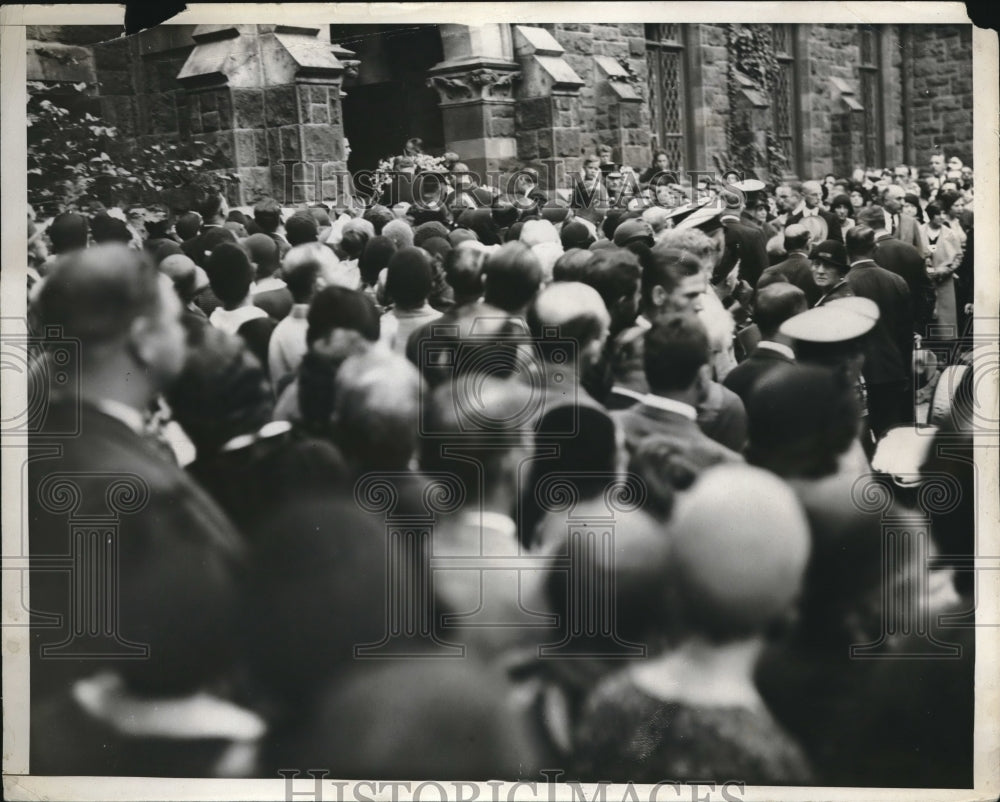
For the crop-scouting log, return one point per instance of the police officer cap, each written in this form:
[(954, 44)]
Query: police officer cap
[(827, 324)]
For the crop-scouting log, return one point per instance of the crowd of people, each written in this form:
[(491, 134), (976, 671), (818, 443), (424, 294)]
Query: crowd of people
[(293, 390)]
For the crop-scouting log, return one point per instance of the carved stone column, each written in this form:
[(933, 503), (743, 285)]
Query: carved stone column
[(475, 84), (268, 96)]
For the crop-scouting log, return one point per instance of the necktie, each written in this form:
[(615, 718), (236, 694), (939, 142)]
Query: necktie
[(895, 223)]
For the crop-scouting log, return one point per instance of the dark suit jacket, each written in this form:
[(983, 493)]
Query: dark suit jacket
[(746, 244), (889, 351), (906, 262), (277, 303), (797, 270), (834, 231), (178, 555), (744, 376), (641, 421)]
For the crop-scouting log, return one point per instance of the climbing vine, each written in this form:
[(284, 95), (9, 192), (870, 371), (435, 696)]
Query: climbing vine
[(751, 65)]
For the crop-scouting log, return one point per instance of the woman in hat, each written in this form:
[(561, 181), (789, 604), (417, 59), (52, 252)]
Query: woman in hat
[(829, 269), (946, 256)]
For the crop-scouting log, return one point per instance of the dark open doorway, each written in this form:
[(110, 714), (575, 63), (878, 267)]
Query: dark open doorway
[(389, 100)]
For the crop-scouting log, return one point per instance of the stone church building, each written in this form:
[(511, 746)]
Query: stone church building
[(270, 97)]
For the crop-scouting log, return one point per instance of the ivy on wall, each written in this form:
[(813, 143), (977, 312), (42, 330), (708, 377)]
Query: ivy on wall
[(751, 55)]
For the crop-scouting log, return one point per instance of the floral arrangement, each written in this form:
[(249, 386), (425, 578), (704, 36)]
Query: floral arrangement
[(424, 162)]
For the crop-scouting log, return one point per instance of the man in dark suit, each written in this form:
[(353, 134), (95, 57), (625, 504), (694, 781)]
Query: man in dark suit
[(906, 262), (103, 493), (889, 352), (772, 307), (675, 355), (744, 243), (899, 225), (796, 268), (812, 194)]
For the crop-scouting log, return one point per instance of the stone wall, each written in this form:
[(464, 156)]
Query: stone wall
[(623, 126), (941, 96)]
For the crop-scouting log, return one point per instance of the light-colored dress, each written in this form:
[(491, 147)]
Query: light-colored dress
[(946, 255)]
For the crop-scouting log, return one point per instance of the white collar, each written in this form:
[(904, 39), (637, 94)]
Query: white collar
[(201, 715), (487, 519), (130, 416), (670, 405), (267, 284), (230, 320), (862, 261), (643, 323), (781, 348), (272, 429)]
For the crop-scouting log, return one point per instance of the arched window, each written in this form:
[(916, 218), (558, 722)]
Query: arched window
[(668, 97), (871, 94), (785, 107)]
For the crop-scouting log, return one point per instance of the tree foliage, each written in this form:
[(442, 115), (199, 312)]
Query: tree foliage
[(75, 158)]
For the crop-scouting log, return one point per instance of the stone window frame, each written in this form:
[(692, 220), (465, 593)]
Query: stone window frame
[(678, 44), (789, 59), (872, 71)]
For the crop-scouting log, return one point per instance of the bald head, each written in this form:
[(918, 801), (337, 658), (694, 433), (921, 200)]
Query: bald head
[(741, 544), (575, 310), (264, 253), (812, 193)]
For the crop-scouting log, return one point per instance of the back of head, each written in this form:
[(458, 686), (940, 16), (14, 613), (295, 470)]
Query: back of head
[(68, 232), (860, 241), (267, 215), (426, 231), (674, 351), (614, 273), (800, 419), (410, 278), (211, 206), (740, 548), (796, 237), (341, 308), (572, 265), (463, 270), (513, 276), (375, 257), (107, 229), (873, 217), (575, 234), (489, 416), (376, 418), (222, 391), (264, 253), (572, 309), (774, 304), (230, 273), (379, 216), (536, 231), (399, 232), (309, 266), (188, 225), (96, 294), (183, 272), (301, 228), (667, 267)]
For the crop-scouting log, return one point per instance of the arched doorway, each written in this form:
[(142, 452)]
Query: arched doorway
[(389, 100)]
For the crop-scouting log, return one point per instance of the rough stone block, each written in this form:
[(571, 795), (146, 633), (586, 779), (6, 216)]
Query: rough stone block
[(291, 147), (255, 183), (162, 114), (245, 149), (115, 82), (527, 144), (248, 108), (273, 136), (209, 101), (636, 46), (319, 113), (501, 126), (317, 142), (224, 106), (194, 118), (210, 121), (280, 106), (567, 142), (260, 145), (533, 113)]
